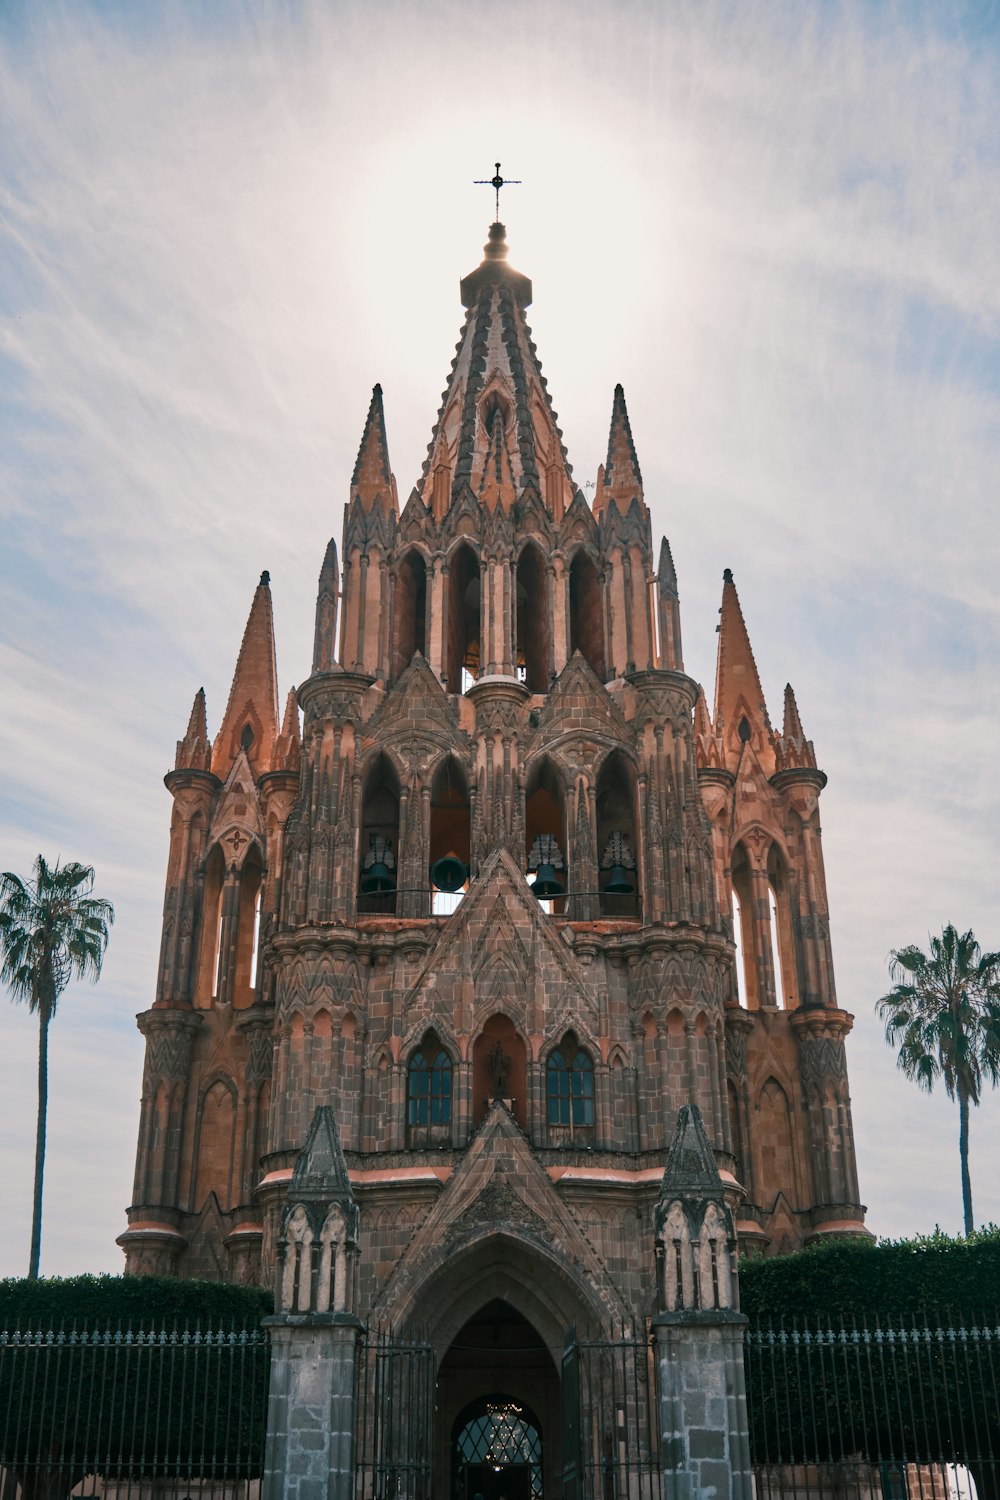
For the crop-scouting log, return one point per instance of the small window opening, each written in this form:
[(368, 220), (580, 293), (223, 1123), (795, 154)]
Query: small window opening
[(462, 653), (255, 946), (532, 632), (570, 1087), (450, 838), (246, 736), (586, 613), (743, 730)]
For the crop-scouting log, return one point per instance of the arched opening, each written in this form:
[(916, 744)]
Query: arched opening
[(616, 842), (462, 648), (747, 935), (409, 612), (498, 1408), (782, 940), (248, 929), (569, 1093), (545, 836), (450, 850), (428, 1094), (499, 1070), (533, 633), (211, 928), (379, 839), (586, 612)]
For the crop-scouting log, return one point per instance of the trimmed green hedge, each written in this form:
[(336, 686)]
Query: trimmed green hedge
[(856, 1280), (98, 1302)]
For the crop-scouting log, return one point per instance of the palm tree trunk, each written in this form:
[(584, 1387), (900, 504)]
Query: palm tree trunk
[(43, 1104), (963, 1151)]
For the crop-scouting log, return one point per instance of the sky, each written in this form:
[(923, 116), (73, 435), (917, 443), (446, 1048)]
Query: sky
[(221, 223)]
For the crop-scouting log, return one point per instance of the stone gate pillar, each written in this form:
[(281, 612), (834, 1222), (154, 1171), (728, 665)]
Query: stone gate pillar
[(309, 1449), (704, 1438)]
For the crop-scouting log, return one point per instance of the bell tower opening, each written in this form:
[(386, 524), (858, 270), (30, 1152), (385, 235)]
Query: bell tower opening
[(409, 612), (450, 837), (463, 654), (616, 843), (533, 635), (379, 839), (498, 1408), (586, 613)]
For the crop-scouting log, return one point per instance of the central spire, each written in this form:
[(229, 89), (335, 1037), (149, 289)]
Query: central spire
[(496, 412)]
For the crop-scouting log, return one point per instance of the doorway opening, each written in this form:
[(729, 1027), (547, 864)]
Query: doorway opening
[(498, 1408), (497, 1450)]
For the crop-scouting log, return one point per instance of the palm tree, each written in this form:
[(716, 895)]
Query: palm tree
[(51, 929), (944, 1012)]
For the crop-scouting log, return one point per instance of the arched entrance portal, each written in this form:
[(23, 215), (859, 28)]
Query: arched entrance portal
[(498, 1411), (497, 1450)]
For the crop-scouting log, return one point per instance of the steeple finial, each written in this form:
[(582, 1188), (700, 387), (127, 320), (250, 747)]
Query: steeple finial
[(496, 182), (194, 751), (740, 712), (372, 477), (622, 478), (251, 718), (324, 638)]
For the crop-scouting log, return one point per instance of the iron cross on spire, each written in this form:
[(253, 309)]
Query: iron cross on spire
[(496, 182)]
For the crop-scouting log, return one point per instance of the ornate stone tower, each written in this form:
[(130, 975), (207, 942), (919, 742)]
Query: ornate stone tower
[(484, 909)]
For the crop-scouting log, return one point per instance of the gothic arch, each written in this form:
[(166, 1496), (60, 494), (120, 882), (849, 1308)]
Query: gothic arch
[(215, 1141), (378, 855), (463, 624), (533, 619), (451, 1285), (409, 609), (586, 609), (617, 830)]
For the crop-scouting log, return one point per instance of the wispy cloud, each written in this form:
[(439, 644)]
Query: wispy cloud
[(775, 224)]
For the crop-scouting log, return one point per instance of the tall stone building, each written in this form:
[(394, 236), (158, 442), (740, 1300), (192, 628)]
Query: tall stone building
[(482, 904)]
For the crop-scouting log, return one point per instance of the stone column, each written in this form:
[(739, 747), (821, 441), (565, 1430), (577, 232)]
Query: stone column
[(309, 1448), (310, 1407), (704, 1438), (705, 1442)]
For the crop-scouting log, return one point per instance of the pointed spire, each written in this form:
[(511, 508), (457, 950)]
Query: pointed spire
[(372, 478), (622, 479), (671, 651), (320, 1172), (251, 718), (691, 1166), (740, 712), (194, 751), (496, 368), (324, 638), (288, 746), (792, 727), (497, 484), (702, 722), (792, 750)]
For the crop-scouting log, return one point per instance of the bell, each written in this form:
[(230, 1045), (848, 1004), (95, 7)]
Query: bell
[(449, 873), (620, 882), (377, 880), (546, 883)]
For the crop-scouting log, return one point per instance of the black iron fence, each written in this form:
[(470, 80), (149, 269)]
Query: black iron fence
[(119, 1412), (611, 1426), (394, 1416), (889, 1410)]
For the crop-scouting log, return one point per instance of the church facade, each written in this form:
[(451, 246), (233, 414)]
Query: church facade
[(506, 897)]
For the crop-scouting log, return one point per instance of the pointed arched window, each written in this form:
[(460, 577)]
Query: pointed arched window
[(586, 612), (379, 839), (409, 612), (462, 629), (428, 1092), (569, 1077), (533, 637)]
